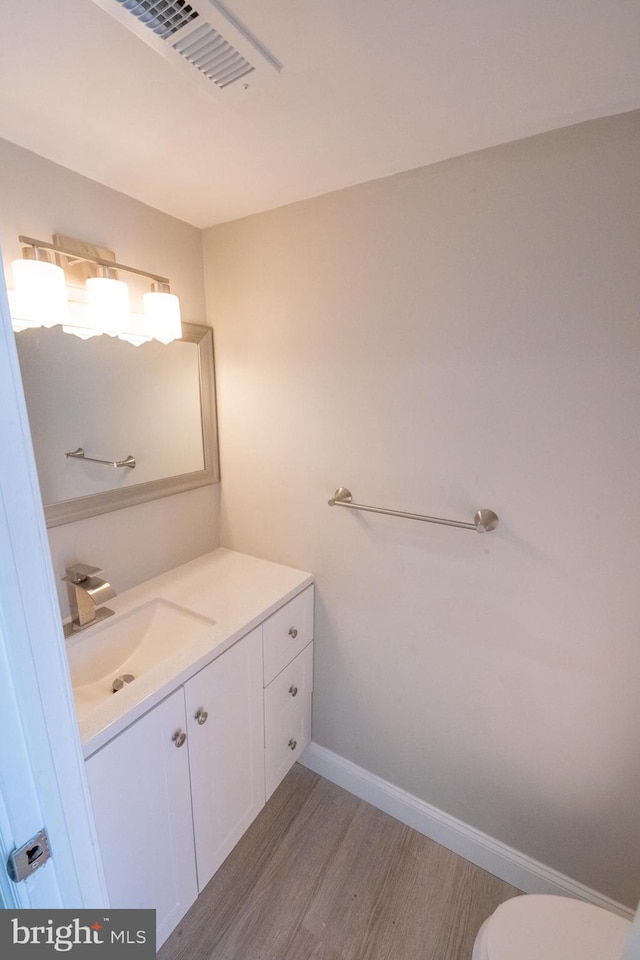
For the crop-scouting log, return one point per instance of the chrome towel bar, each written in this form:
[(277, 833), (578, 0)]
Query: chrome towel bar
[(79, 454), (483, 521)]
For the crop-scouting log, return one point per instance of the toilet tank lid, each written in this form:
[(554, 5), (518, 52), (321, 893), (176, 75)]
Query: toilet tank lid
[(537, 926)]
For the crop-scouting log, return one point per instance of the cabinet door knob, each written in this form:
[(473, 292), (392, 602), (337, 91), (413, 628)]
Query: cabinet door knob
[(201, 716), (293, 633), (292, 743), (179, 738), (293, 690)]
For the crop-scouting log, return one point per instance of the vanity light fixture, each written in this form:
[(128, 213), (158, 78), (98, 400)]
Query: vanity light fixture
[(108, 302), (162, 312), (39, 297)]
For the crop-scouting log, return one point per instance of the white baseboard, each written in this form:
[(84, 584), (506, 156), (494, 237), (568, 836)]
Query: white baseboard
[(492, 855)]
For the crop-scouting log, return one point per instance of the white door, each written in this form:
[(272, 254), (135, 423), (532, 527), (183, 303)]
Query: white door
[(42, 780)]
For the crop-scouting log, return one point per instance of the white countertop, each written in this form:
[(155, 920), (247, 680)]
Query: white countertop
[(235, 590)]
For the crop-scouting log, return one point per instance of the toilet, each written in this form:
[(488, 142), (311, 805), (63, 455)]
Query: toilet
[(540, 927)]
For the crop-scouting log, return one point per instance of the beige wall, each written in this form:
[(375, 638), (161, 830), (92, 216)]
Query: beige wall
[(461, 336), (39, 198)]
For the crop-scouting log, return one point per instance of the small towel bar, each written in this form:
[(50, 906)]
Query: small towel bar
[(483, 521), (79, 454)]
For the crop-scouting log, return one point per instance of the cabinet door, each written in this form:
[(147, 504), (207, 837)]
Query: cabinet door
[(287, 717), (139, 785), (226, 751)]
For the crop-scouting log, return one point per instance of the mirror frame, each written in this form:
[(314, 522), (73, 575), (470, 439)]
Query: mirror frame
[(80, 508)]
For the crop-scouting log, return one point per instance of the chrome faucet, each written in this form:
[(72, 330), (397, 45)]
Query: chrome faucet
[(86, 594)]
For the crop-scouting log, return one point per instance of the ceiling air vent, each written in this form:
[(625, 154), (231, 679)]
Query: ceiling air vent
[(202, 39), (214, 56), (161, 16)]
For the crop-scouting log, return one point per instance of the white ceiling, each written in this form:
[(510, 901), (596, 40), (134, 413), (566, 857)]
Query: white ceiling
[(369, 88)]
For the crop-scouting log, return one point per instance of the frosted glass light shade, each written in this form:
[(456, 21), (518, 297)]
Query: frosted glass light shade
[(85, 333), (40, 298), (79, 323), (162, 311), (108, 302), (17, 322), (137, 331)]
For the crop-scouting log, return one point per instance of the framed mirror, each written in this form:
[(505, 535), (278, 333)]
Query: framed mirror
[(97, 405)]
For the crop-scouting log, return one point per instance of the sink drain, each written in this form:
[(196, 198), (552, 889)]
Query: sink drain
[(120, 682)]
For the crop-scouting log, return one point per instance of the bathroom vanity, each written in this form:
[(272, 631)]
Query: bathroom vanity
[(183, 758)]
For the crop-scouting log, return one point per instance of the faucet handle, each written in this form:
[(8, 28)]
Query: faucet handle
[(79, 572)]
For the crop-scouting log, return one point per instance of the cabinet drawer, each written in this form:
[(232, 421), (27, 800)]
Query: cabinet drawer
[(286, 633), (287, 716)]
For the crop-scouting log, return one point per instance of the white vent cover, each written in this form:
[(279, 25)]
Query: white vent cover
[(201, 38)]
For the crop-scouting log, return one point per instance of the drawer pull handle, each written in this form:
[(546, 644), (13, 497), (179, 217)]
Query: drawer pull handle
[(292, 743), (293, 633), (293, 690), (201, 716), (179, 738)]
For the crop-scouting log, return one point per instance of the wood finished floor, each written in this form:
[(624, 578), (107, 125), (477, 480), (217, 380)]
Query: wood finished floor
[(322, 875)]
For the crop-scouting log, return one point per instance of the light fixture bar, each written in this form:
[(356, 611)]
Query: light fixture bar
[(74, 255)]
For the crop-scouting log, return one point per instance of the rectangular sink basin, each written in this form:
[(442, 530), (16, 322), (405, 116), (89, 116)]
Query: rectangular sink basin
[(131, 643)]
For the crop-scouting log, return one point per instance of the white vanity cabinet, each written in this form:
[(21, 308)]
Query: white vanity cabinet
[(175, 790), (141, 796)]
